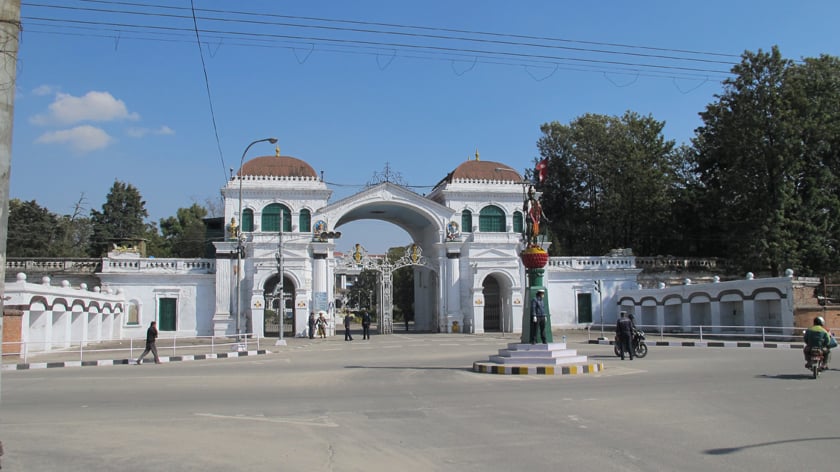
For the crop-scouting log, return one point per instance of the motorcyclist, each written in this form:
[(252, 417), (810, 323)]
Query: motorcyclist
[(817, 337)]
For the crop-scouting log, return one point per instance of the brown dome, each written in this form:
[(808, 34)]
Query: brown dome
[(484, 170), (277, 166)]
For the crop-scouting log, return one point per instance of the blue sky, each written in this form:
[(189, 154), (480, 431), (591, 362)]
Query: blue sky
[(100, 98)]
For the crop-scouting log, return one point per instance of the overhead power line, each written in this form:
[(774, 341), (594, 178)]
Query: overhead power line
[(349, 36)]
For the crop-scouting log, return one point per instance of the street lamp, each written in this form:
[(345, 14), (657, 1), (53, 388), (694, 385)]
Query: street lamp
[(239, 246)]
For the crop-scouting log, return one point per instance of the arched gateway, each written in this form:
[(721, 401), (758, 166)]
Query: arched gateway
[(468, 230)]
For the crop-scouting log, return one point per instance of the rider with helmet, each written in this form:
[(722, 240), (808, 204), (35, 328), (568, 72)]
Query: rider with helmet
[(817, 336)]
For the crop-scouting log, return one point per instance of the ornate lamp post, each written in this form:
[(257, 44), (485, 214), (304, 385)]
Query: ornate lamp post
[(239, 242)]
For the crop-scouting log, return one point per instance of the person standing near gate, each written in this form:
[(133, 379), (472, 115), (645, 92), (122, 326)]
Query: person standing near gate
[(365, 325), (321, 323), (312, 325), (624, 334), (151, 337), (538, 316), (347, 319)]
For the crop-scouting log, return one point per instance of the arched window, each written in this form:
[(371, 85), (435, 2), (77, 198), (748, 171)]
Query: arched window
[(271, 218), (491, 219), (517, 222), (247, 220), (305, 221), (466, 221)]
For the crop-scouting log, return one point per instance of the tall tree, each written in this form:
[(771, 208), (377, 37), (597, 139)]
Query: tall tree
[(608, 183), (121, 219), (34, 231), (767, 157)]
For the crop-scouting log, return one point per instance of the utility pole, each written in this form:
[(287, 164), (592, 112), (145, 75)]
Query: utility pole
[(10, 28)]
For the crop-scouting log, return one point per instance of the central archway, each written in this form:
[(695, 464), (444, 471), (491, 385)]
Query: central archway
[(425, 223)]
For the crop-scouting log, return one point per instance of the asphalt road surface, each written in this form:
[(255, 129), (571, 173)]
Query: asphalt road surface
[(411, 403)]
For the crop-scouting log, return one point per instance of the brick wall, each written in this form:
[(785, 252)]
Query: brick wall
[(806, 307), (12, 317)]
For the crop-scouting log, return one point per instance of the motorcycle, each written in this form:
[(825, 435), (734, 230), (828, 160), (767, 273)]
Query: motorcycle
[(816, 361), (640, 349)]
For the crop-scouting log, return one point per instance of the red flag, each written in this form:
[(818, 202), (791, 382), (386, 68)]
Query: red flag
[(542, 170)]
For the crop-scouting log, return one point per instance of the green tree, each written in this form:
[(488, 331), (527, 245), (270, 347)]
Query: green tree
[(767, 159), (362, 293), (185, 233), (156, 244), (33, 231), (121, 219), (609, 183)]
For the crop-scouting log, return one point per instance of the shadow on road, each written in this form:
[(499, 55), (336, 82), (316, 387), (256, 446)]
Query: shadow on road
[(465, 369), (786, 376), (729, 450)]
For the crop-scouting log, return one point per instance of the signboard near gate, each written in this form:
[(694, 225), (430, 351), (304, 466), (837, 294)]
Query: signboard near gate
[(320, 302)]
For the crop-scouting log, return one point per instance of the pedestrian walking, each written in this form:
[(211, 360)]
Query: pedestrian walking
[(322, 326), (347, 319), (365, 325), (151, 337)]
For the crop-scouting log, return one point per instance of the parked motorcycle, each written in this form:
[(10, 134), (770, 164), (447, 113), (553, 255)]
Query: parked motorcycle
[(640, 349), (816, 361)]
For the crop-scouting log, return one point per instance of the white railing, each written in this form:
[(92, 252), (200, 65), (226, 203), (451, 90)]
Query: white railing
[(26, 351), (204, 266), (707, 333)]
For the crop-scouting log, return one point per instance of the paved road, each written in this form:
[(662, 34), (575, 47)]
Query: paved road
[(411, 403)]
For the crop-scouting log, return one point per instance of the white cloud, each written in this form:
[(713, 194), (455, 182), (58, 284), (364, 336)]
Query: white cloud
[(93, 106), (137, 132), (81, 139), (43, 90)]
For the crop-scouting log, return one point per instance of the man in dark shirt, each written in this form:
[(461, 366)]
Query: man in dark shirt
[(151, 337), (538, 316), (347, 335), (624, 335), (365, 325)]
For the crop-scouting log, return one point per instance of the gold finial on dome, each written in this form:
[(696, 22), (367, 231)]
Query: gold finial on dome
[(277, 151), (476, 154)]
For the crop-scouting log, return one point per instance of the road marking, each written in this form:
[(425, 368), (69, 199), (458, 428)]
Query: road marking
[(320, 421)]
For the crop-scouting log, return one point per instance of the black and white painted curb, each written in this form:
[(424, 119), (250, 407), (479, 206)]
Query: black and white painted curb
[(163, 360), (763, 345)]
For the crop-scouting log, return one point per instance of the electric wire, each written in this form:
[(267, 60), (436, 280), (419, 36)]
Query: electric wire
[(209, 96), (402, 45)]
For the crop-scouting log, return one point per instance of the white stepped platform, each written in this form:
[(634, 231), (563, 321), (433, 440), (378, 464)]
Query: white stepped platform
[(553, 354)]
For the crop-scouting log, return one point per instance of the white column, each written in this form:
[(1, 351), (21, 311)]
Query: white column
[(715, 315), (749, 315), (223, 323), (319, 273), (453, 284)]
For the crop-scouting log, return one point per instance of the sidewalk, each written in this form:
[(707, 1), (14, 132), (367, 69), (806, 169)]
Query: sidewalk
[(127, 351)]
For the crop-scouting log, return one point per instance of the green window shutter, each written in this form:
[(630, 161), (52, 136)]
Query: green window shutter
[(247, 220), (517, 222), (167, 314), (584, 306), (466, 221), (305, 223), (491, 219)]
